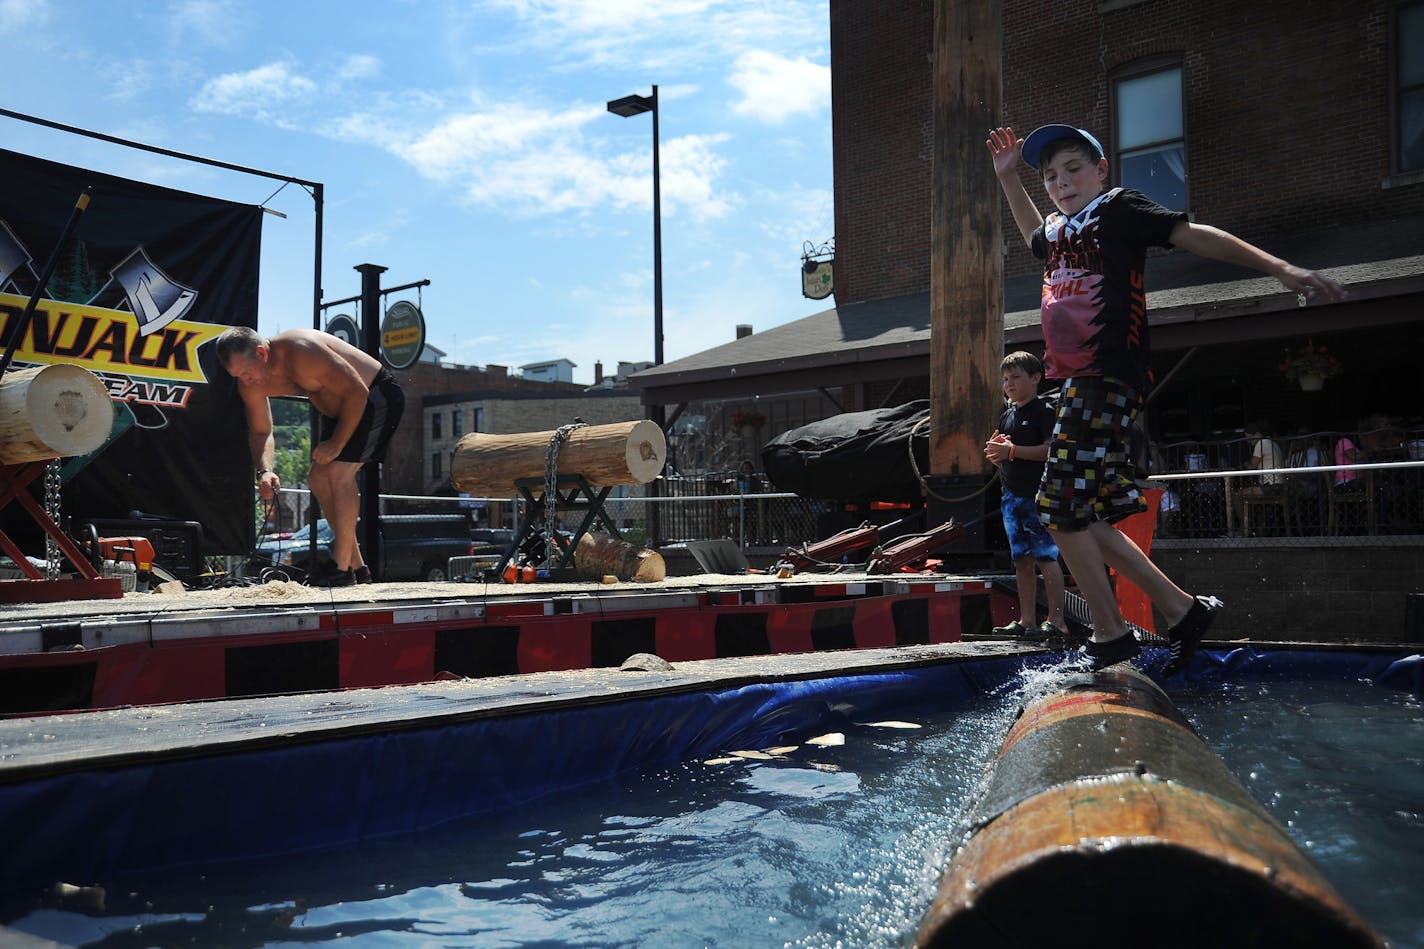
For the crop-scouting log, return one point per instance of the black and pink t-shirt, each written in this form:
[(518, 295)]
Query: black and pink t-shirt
[(1094, 298)]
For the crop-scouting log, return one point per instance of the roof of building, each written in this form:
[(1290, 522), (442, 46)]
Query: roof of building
[(519, 395), (1373, 261)]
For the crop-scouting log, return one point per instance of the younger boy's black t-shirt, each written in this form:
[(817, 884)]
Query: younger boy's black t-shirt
[(1027, 424)]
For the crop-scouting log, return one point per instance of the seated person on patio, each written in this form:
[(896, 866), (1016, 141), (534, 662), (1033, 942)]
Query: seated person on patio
[(1347, 454), (1266, 454)]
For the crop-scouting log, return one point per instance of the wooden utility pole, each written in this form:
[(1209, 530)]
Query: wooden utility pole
[(966, 242)]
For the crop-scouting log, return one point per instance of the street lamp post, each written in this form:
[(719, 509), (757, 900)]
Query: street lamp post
[(627, 107)]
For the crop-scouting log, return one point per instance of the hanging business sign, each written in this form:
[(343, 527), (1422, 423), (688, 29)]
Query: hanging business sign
[(817, 278), (344, 328), (402, 335)]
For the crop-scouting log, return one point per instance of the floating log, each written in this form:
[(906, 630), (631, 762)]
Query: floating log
[(1106, 819), (599, 555), (487, 465), (52, 412)]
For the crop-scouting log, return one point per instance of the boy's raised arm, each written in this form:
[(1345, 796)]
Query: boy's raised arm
[(1004, 146), (1207, 241)]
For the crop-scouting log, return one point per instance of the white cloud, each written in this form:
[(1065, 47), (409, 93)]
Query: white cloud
[(534, 161), (258, 93), (690, 167), (358, 66), (16, 16), (653, 36), (211, 22), (774, 88), (458, 145)]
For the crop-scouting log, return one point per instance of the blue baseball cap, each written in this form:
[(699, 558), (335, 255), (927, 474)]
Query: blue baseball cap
[(1033, 145)]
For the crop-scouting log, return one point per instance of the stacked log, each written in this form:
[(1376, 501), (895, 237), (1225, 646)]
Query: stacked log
[(488, 465), (54, 411), (600, 555)]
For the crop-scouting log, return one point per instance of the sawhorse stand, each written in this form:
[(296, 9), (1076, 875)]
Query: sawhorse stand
[(571, 493), (89, 585)]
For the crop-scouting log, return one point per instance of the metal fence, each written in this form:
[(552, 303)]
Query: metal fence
[(1317, 485), (1209, 494), (716, 507)]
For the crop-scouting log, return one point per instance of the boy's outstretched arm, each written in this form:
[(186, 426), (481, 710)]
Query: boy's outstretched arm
[(1207, 241), (1004, 146)]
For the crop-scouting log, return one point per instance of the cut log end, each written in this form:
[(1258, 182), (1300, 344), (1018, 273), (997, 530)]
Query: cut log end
[(603, 555), (54, 411)]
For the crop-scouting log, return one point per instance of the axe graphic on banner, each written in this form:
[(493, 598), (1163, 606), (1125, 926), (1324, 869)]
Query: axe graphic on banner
[(155, 298), (15, 262)]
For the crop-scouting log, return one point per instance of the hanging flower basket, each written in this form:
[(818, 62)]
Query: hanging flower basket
[(747, 421), (1310, 365)]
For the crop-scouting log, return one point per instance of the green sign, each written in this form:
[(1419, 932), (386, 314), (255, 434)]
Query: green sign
[(343, 327), (402, 335)]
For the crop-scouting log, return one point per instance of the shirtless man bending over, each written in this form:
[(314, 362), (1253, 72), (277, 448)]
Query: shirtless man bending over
[(360, 404)]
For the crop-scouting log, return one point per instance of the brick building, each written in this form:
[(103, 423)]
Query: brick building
[(1298, 127), (1290, 131)]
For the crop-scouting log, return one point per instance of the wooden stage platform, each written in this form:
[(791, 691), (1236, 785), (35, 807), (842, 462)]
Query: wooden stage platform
[(280, 638)]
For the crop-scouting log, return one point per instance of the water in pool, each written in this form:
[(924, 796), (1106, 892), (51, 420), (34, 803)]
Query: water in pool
[(817, 846), (1340, 765)]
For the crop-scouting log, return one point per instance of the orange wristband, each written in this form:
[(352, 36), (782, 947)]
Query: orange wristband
[(1011, 451)]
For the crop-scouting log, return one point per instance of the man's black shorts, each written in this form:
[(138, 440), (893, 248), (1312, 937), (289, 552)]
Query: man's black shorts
[(384, 406)]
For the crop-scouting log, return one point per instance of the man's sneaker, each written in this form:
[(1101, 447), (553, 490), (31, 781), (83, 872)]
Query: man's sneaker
[(333, 578), (362, 574), (1095, 656), (1184, 638), (1017, 630)]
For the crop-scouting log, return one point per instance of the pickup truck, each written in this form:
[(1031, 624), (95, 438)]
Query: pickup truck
[(413, 547)]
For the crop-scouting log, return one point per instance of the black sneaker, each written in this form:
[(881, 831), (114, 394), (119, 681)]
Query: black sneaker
[(1184, 638), (1095, 656), (362, 574), (1046, 630), (1017, 630), (333, 578)]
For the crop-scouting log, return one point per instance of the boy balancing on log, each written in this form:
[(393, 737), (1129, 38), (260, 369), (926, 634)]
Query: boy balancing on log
[(1096, 335), (360, 404)]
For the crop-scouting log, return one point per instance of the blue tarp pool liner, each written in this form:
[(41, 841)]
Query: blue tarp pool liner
[(1388, 669), (85, 826)]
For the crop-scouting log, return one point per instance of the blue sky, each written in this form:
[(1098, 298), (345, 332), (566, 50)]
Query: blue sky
[(468, 143)]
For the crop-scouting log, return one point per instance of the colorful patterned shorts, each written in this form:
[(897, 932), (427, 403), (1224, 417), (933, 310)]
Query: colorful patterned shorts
[(1027, 535), (1089, 474)]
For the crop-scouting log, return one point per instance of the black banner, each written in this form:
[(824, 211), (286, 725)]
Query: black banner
[(149, 278)]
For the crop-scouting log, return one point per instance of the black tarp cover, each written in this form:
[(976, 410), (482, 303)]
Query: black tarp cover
[(854, 455)]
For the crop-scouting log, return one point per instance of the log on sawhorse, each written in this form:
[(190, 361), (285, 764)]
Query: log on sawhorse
[(571, 493)]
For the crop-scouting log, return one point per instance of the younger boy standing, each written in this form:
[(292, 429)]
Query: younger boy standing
[(1019, 448), (1094, 312)]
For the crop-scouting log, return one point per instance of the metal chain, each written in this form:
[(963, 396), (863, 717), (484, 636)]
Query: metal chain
[(551, 487), (53, 556)]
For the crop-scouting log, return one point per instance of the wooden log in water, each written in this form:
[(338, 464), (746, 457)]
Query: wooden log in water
[(487, 465), (1106, 820), (52, 412), (599, 555)]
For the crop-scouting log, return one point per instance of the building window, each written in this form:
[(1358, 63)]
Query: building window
[(478, 422), (435, 472), (435, 425), (457, 419), (1151, 139), (1409, 86)]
